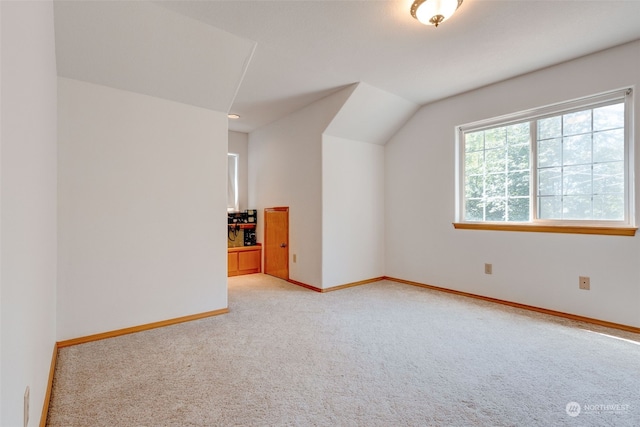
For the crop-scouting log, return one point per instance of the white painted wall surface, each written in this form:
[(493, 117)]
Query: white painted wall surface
[(285, 169), (352, 211), (28, 213), (1, 330), (239, 144), (142, 204), (371, 115), (537, 269)]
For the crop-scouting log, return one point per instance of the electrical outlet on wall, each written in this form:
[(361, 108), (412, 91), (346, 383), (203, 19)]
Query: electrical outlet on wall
[(488, 269), (584, 283), (295, 258)]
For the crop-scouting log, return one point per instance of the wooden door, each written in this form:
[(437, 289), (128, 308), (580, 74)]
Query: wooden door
[(276, 242)]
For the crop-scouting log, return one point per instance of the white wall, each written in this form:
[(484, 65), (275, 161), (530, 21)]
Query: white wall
[(239, 144), (285, 169), (1, 139), (352, 211), (142, 203), (353, 183), (28, 192), (370, 115), (530, 268)]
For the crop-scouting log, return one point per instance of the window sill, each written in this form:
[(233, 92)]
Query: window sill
[(610, 231)]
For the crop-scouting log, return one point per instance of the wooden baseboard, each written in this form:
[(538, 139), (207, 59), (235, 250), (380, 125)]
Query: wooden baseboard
[(336, 288), (350, 285), (47, 395), (140, 328), (523, 306), (304, 285)]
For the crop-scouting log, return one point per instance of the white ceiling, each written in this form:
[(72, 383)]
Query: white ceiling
[(300, 51), (139, 47)]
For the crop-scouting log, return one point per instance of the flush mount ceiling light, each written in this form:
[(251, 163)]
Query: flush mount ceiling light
[(434, 12), (233, 116)]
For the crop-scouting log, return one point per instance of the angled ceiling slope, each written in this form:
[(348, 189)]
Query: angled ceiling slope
[(307, 48), (197, 51), (371, 115), (143, 48)]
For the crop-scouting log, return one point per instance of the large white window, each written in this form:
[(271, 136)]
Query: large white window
[(232, 182), (567, 164)]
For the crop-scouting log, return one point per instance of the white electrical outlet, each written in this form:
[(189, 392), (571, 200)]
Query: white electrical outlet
[(488, 269), (26, 407), (584, 283)]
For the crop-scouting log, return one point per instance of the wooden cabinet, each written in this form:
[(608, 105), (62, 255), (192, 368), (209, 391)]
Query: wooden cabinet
[(244, 260)]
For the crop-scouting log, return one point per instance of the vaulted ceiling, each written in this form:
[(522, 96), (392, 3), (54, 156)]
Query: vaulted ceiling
[(265, 59)]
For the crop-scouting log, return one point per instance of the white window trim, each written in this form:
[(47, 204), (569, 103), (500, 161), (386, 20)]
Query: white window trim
[(625, 94), (235, 206)]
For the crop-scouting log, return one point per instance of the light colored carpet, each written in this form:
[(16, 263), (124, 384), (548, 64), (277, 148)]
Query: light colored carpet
[(382, 354)]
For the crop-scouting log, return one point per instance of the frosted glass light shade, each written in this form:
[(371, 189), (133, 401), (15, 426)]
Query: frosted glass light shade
[(434, 12)]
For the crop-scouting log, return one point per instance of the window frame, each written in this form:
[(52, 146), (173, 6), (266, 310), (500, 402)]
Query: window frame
[(588, 226), (235, 206)]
